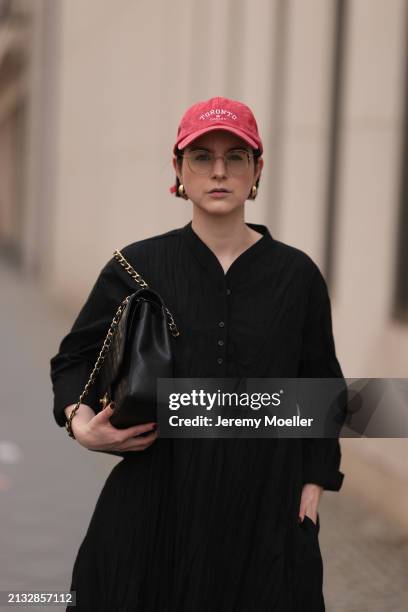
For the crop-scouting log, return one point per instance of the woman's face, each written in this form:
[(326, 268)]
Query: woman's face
[(198, 186)]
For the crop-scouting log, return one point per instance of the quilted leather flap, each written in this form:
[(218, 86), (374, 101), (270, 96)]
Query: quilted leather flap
[(115, 354)]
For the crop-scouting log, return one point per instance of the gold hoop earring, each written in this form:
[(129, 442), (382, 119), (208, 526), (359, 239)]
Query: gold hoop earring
[(182, 192), (254, 191)]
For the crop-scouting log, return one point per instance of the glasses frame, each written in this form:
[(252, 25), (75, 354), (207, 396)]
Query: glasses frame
[(215, 157)]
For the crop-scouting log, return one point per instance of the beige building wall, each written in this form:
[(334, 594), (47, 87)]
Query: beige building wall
[(107, 158), (370, 183), (305, 125), (373, 343)]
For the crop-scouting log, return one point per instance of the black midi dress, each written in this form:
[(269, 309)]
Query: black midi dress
[(209, 525)]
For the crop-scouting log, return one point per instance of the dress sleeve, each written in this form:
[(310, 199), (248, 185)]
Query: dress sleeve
[(321, 456), (71, 367)]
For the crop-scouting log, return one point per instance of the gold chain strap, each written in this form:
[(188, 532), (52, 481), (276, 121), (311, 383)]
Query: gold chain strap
[(123, 262), (108, 339)]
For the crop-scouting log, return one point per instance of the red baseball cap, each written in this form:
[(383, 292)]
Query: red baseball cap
[(217, 114)]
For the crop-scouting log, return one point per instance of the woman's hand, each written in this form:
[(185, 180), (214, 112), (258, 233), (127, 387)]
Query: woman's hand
[(98, 433), (309, 502)]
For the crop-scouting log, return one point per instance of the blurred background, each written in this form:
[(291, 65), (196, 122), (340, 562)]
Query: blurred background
[(91, 94)]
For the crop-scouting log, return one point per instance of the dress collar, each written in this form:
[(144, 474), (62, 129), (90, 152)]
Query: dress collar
[(239, 266)]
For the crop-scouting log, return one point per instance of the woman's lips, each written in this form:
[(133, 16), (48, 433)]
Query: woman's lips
[(218, 194)]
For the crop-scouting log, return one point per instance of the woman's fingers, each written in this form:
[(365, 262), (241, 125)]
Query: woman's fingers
[(138, 443), (132, 433), (103, 415), (132, 438), (136, 430), (310, 511), (312, 516), (107, 437), (309, 502)]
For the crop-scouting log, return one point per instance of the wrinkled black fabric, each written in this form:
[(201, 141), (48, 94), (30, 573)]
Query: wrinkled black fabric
[(209, 524)]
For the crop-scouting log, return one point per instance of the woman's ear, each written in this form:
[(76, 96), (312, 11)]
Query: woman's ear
[(177, 168), (258, 169)]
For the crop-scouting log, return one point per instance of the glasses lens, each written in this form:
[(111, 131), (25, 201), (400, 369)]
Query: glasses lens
[(200, 161), (237, 161)]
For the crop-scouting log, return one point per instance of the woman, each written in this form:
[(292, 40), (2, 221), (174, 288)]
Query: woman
[(208, 524)]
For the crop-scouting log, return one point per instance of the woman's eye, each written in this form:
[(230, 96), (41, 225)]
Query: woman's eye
[(202, 157), (236, 156)]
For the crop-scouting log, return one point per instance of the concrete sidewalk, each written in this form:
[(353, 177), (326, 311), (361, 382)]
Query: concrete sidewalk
[(49, 484)]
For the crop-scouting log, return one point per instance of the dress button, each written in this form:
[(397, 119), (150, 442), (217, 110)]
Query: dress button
[(221, 324), (220, 360), (228, 292), (221, 342)]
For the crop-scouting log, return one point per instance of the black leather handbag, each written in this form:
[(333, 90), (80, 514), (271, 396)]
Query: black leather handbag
[(136, 351)]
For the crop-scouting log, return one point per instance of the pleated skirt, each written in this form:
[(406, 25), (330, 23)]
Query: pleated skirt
[(201, 525)]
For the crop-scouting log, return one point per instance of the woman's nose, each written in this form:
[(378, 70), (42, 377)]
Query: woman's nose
[(219, 167)]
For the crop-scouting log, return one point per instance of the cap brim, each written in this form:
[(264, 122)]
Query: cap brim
[(186, 141)]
